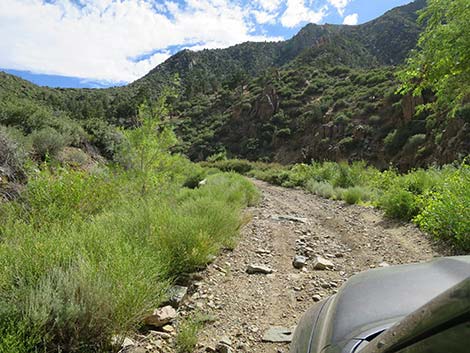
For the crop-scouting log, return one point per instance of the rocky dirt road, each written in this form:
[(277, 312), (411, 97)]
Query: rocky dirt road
[(286, 223)]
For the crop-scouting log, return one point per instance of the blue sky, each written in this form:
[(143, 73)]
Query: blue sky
[(102, 43)]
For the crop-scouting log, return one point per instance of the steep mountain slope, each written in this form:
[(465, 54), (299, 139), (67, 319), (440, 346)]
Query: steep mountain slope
[(327, 93), (384, 41)]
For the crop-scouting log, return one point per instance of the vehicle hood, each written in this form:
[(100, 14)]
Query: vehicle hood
[(380, 297)]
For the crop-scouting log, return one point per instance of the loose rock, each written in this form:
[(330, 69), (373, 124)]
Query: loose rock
[(224, 345), (289, 218), (177, 295), (299, 261), (161, 317), (133, 349), (278, 334), (261, 269), (321, 263)]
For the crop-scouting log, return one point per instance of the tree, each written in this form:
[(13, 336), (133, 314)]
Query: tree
[(442, 61), (150, 142)]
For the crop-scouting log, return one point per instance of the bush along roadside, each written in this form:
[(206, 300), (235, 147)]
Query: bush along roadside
[(71, 285), (87, 255), (436, 199)]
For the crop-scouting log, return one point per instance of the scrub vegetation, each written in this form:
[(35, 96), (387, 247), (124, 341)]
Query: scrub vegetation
[(87, 254), (102, 208), (437, 199)]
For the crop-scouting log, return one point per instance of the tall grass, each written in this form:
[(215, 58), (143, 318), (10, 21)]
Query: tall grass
[(83, 256)]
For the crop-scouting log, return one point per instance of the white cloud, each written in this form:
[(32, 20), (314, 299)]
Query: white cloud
[(296, 13), (351, 19), (269, 5), (264, 17), (265, 11), (340, 5), (99, 39)]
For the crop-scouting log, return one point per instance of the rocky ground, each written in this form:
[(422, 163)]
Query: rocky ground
[(255, 293)]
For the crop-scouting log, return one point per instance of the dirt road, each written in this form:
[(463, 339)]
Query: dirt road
[(354, 238)]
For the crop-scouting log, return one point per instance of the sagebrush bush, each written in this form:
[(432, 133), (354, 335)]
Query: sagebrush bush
[(48, 142), (321, 188), (87, 257), (74, 157), (12, 158)]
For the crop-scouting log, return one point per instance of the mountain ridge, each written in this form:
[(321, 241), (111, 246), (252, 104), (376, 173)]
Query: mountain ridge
[(279, 53), (326, 93)]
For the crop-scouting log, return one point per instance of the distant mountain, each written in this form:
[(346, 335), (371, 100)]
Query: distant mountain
[(384, 41), (326, 93)]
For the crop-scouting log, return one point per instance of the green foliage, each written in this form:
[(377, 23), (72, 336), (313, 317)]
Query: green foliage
[(61, 195), (12, 158), (109, 140), (233, 165), (446, 212), (436, 199), (322, 188), (399, 203), (355, 194), (149, 143), (187, 336), (82, 258), (47, 142), (441, 62), (414, 142), (196, 175)]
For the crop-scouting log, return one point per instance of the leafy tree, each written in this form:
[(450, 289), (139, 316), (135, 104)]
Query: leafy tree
[(442, 61), (150, 142)]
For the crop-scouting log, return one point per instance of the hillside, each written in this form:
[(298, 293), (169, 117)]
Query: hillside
[(327, 93), (207, 205)]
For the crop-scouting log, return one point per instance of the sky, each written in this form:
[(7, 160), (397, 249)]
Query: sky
[(102, 43)]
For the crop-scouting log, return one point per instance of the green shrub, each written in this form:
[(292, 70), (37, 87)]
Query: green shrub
[(74, 157), (446, 212), (345, 178), (232, 165), (62, 195), (420, 181), (299, 174), (355, 195), (196, 175), (74, 284), (399, 203), (188, 330), (322, 189), (12, 158), (107, 138), (48, 142), (274, 176), (414, 142)]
